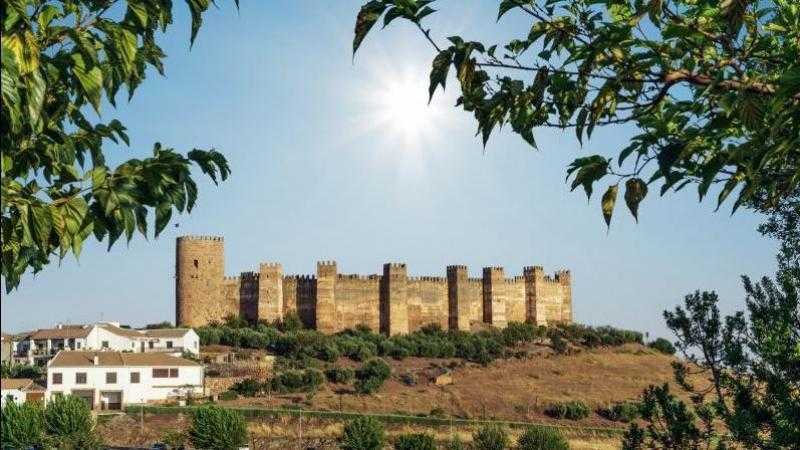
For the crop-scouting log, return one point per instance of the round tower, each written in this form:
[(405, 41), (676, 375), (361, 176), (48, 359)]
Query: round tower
[(199, 275)]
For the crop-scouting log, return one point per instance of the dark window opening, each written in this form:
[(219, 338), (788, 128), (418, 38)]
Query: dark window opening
[(196, 264)]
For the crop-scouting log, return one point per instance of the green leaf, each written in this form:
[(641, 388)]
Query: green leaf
[(196, 9), (589, 170), (366, 18), (635, 192), (90, 80), (607, 203), (440, 68), (163, 214), (508, 5)]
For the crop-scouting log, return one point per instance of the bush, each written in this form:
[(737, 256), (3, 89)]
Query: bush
[(291, 322), (490, 437), (228, 395), (370, 376), (663, 345), (248, 387), (572, 410), (455, 444), (363, 433), (415, 441), (308, 380), (217, 428), (559, 344), (8, 370), (22, 425), (542, 438), (621, 412), (341, 375), (69, 423), (408, 378), (175, 439)]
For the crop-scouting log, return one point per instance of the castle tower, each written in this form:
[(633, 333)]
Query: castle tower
[(494, 296), (394, 299), (199, 273), (564, 278), (457, 300), (325, 310), (534, 304), (270, 292)]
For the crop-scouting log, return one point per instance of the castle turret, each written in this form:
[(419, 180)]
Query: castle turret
[(394, 299), (564, 277), (494, 296), (458, 304), (534, 304), (199, 274), (270, 292), (326, 301)]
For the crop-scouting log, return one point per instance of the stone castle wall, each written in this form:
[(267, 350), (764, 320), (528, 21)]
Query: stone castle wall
[(391, 302)]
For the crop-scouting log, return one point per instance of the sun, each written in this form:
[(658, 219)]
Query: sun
[(394, 103)]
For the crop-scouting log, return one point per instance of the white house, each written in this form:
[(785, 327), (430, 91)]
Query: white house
[(171, 340), (41, 345), (110, 380), (20, 390)]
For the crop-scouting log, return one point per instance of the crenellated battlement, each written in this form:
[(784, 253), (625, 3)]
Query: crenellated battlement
[(200, 238), (391, 301)]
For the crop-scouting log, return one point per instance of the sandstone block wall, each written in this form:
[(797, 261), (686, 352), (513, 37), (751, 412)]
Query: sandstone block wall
[(390, 302)]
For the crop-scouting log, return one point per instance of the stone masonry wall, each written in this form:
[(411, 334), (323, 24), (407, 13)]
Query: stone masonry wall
[(392, 302)]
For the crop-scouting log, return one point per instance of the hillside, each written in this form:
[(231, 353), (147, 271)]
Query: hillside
[(518, 389)]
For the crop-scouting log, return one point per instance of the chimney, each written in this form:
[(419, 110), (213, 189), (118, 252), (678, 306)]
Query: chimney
[(96, 360)]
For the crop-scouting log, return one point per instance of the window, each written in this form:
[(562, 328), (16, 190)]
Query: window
[(169, 344), (160, 373), (104, 344), (57, 378), (173, 373), (196, 264), (78, 344), (111, 377), (196, 344), (150, 344), (133, 345), (80, 378), (134, 377)]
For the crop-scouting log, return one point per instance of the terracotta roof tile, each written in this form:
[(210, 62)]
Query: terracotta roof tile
[(23, 384), (61, 333), (86, 359), (167, 332)]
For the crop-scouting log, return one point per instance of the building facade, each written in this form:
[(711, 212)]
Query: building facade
[(20, 390), (39, 346), (391, 302), (109, 380)]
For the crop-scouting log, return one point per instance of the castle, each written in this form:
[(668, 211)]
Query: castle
[(391, 303)]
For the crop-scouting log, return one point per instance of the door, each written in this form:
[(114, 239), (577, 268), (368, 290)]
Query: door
[(110, 400), (34, 397)]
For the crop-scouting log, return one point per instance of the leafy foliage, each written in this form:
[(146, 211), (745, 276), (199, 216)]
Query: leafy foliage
[(22, 425), (663, 345), (10, 370), (217, 428), (490, 437), (363, 433), (415, 441), (342, 375), (621, 412), (60, 59), (572, 410), (371, 376), (542, 438), (69, 423), (711, 87), (751, 363)]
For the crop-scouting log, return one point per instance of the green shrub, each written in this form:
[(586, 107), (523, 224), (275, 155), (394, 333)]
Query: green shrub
[(69, 422), (22, 425), (663, 345), (340, 375), (217, 428), (248, 387), (572, 410), (409, 379), (175, 439), (542, 438), (363, 433), (228, 395), (490, 437), (308, 380), (370, 376), (455, 444), (415, 441), (621, 412), (290, 322), (9, 370), (560, 345)]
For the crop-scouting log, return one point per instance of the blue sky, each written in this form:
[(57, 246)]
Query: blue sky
[(326, 166)]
